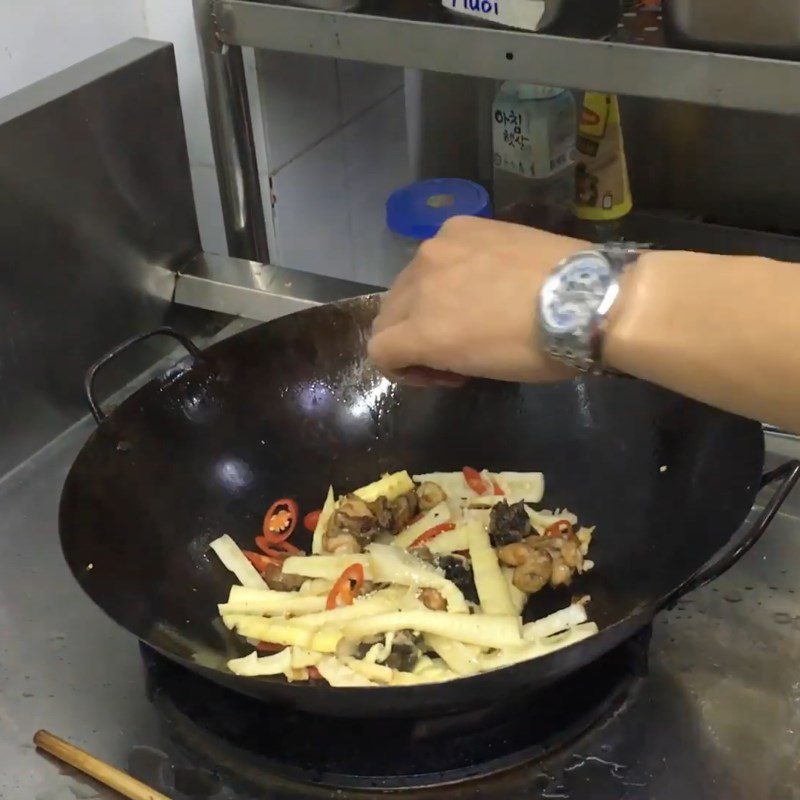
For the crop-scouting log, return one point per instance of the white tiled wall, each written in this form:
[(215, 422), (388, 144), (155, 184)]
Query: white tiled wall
[(299, 102), (173, 21), (332, 133), (336, 147), (39, 37)]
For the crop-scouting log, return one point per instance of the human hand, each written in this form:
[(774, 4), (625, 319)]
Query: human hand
[(467, 305)]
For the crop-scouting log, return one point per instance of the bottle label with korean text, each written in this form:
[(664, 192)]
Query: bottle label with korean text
[(531, 145)]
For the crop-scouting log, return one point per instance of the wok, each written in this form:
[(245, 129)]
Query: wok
[(291, 406)]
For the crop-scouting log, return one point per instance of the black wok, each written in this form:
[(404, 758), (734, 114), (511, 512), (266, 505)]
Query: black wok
[(289, 407)]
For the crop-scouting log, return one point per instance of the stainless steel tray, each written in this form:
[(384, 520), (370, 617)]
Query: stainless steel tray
[(737, 26)]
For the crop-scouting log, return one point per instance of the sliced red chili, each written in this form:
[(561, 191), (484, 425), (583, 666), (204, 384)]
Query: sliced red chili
[(269, 550), (343, 592), (497, 489), (259, 560), (475, 480), (288, 548), (311, 520), (280, 520), (432, 533), (279, 550), (560, 529)]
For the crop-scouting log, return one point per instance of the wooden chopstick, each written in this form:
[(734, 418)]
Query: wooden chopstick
[(107, 775)]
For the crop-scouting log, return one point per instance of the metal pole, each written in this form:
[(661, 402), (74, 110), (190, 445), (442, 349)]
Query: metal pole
[(232, 138)]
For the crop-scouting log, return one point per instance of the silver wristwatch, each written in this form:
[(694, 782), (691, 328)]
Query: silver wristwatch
[(575, 301)]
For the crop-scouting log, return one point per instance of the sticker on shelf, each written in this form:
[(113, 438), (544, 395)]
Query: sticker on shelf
[(524, 14)]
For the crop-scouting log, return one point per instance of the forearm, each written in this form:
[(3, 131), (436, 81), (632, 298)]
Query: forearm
[(723, 330)]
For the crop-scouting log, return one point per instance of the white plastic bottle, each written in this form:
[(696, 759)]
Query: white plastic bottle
[(533, 143)]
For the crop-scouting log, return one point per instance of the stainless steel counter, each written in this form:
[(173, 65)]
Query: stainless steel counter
[(63, 665), (718, 716)]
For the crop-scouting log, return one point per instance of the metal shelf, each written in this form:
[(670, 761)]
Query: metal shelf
[(645, 70), (257, 291)]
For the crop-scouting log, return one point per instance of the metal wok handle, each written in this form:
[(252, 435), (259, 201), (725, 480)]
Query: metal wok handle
[(91, 373), (788, 475)]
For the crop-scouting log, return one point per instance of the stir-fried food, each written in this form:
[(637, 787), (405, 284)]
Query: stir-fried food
[(409, 580)]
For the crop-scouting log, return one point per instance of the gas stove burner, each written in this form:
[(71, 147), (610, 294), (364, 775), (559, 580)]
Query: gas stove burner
[(257, 744)]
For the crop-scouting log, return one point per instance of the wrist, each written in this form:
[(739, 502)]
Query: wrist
[(577, 301), (639, 322)]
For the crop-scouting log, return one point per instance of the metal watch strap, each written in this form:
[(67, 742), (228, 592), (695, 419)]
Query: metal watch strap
[(575, 302), (622, 255)]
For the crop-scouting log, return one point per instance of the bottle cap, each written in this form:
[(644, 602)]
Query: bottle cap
[(420, 209), (531, 91)]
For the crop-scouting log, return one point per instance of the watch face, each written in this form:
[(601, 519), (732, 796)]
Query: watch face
[(570, 297), (565, 316)]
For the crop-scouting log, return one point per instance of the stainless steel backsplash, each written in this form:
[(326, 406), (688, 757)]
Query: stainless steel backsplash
[(96, 214), (734, 167)]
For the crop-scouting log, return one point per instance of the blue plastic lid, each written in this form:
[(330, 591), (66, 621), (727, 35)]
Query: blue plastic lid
[(420, 209)]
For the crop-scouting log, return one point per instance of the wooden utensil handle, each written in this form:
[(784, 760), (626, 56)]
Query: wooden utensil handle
[(109, 776)]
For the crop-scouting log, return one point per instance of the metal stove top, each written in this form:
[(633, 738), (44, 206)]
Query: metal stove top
[(718, 716)]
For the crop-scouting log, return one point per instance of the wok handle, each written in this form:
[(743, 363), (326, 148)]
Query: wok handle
[(788, 475), (91, 373)]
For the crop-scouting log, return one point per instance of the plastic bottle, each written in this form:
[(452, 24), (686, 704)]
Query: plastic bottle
[(603, 194), (533, 142)]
